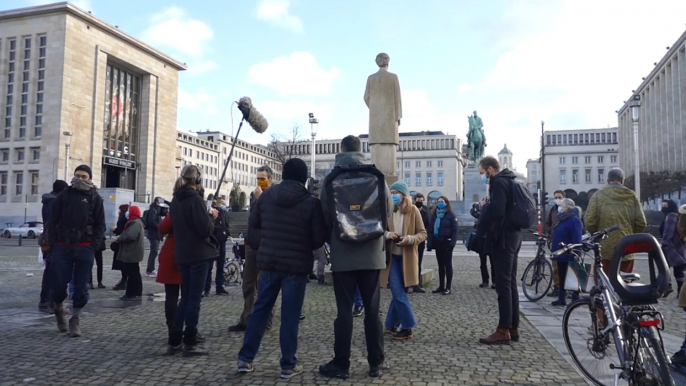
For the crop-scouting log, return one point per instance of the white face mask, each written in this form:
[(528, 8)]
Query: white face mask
[(558, 202)]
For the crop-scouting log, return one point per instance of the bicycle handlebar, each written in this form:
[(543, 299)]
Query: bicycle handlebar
[(587, 244)]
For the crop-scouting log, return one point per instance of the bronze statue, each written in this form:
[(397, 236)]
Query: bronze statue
[(476, 139)]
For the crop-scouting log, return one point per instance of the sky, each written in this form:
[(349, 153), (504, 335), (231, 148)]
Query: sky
[(516, 62)]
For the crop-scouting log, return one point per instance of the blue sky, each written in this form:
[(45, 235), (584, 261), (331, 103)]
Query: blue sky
[(517, 62)]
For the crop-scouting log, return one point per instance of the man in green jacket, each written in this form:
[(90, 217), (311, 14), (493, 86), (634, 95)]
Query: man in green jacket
[(612, 205), (355, 265)]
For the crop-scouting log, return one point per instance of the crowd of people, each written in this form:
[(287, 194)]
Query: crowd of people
[(287, 230)]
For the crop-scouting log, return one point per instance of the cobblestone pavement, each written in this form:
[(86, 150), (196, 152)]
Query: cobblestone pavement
[(125, 346)]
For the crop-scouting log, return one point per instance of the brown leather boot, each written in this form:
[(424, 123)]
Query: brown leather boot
[(514, 334), (500, 336)]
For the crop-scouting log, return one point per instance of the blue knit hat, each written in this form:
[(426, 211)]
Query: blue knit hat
[(401, 187)]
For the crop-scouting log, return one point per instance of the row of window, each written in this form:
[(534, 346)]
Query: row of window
[(214, 159), (580, 139), (304, 148), (587, 159), (418, 164), (19, 155), (429, 179), (17, 187), (588, 176)]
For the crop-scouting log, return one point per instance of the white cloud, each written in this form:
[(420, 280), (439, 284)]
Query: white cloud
[(296, 111), (465, 87), (298, 74), (202, 67), (416, 104), (200, 102), (172, 28), (276, 12)]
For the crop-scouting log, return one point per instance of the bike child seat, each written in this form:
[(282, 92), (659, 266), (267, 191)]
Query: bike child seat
[(640, 293)]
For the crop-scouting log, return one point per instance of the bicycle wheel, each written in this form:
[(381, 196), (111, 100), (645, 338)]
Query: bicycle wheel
[(231, 273), (592, 356), (537, 279), (651, 364)]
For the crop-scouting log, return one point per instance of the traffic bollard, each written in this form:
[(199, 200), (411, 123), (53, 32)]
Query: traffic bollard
[(20, 238)]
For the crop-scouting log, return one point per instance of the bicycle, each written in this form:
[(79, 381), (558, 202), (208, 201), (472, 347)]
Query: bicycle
[(637, 356), (233, 270), (537, 277)]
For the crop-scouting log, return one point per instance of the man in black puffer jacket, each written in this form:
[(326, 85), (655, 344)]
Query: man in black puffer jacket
[(195, 249), (292, 226)]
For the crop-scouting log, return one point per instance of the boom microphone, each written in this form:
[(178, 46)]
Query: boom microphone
[(256, 120)]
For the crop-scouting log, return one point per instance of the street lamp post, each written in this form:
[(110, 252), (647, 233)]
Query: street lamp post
[(635, 110), (67, 145), (314, 123), (540, 196)]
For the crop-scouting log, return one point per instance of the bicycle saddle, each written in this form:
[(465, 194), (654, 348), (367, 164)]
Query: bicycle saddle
[(640, 293)]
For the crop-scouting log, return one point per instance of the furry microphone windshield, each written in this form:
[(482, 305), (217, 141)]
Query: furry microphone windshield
[(256, 120)]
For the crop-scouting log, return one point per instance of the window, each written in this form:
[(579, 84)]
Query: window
[(575, 176), (440, 164), (34, 183), (563, 160), (588, 176), (37, 132), (564, 139), (563, 177), (407, 164), (585, 138), (587, 159), (614, 137), (20, 155), (547, 140), (5, 155), (121, 112), (428, 164), (601, 176), (35, 154), (419, 179), (18, 183), (601, 159), (418, 164), (575, 160), (613, 159), (440, 178), (429, 179), (576, 138), (602, 138), (3, 183), (407, 179)]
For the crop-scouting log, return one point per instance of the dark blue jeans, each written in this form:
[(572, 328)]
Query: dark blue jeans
[(358, 297), (193, 276), (221, 261), (292, 290), (154, 248), (67, 262)]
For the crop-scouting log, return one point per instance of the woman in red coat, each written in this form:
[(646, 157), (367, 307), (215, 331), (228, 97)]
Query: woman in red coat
[(168, 273)]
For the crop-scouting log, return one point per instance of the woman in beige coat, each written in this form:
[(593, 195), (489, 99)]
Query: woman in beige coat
[(405, 233)]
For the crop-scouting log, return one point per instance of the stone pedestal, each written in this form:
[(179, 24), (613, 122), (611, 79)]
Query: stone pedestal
[(112, 198), (384, 157), (474, 190)]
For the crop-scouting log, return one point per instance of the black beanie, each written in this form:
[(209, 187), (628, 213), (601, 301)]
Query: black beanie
[(59, 186), (295, 169), (85, 168)]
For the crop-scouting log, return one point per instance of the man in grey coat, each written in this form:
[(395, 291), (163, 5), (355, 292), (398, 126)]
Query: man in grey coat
[(355, 265)]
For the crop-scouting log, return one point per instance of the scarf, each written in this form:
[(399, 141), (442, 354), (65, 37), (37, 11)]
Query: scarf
[(81, 185), (439, 215), (567, 215)]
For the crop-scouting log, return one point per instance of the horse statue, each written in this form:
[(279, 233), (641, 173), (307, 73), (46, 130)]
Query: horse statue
[(476, 140)]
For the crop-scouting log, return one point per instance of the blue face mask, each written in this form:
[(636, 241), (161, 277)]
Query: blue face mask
[(485, 178), (223, 208), (396, 199), (441, 205), (126, 215), (559, 209)]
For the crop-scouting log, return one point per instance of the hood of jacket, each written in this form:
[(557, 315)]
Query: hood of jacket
[(186, 193), (47, 197), (505, 173), (288, 193), (350, 158)]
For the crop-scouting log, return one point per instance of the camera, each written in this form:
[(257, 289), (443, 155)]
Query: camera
[(475, 211)]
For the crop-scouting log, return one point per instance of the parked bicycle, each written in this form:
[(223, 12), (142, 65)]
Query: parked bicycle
[(538, 275), (613, 335), (233, 270)]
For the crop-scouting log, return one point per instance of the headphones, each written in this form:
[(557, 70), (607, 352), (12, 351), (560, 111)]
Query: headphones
[(198, 179)]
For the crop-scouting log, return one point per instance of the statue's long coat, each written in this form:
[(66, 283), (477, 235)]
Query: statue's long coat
[(382, 96)]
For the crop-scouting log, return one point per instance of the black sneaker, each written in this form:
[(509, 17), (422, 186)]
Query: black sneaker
[(483, 285), (332, 370), (377, 371), (302, 317), (403, 334), (195, 350), (418, 290), (237, 328), (438, 290), (222, 292), (679, 358), (200, 338), (447, 292), (244, 368), (392, 331), (173, 350), (358, 311)]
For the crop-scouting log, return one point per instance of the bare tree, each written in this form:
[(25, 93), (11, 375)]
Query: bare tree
[(284, 146)]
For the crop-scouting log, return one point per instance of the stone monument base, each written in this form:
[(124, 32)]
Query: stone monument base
[(474, 190)]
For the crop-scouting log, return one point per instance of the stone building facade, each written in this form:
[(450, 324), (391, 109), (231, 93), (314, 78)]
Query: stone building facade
[(64, 70)]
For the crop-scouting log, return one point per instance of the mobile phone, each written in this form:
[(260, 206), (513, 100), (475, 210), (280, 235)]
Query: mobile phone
[(399, 240)]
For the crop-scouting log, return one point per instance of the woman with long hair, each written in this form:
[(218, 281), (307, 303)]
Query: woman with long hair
[(442, 238), (405, 233), (117, 265), (131, 251)]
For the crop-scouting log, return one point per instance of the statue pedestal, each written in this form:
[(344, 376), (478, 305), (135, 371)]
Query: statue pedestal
[(384, 158), (474, 190)]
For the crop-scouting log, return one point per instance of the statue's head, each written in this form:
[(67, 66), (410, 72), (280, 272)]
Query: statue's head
[(475, 113), (382, 60)]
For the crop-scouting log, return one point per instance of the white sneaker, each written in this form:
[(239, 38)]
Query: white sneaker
[(151, 274)]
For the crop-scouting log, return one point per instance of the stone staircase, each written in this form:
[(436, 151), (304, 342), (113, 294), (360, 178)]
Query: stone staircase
[(238, 222)]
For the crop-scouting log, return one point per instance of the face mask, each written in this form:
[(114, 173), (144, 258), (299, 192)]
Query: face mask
[(665, 210), (126, 215), (82, 185), (558, 202), (441, 205), (223, 208), (559, 209), (419, 204), (485, 178), (396, 199), (263, 184)]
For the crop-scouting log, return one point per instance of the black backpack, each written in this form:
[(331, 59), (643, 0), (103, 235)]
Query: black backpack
[(144, 218), (357, 194), (523, 213)]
